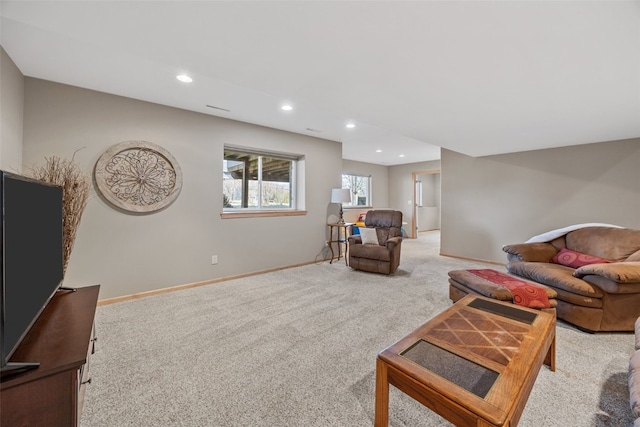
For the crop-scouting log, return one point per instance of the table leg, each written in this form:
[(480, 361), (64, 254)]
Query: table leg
[(550, 359), (346, 248), (330, 243), (382, 395), (346, 254), (346, 245)]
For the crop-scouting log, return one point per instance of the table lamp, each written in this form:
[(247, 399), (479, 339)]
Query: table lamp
[(340, 195)]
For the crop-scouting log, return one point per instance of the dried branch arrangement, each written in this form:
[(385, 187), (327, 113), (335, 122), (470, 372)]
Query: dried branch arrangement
[(75, 193)]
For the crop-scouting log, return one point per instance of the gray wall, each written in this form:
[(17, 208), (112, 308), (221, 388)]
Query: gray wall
[(428, 215), (401, 188), (491, 201), (392, 186), (128, 253), (11, 114)]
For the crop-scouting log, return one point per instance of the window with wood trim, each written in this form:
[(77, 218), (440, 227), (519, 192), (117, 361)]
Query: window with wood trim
[(254, 180)]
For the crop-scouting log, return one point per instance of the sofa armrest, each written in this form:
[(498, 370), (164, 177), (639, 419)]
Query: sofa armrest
[(355, 240), (620, 272), (393, 242), (530, 252)]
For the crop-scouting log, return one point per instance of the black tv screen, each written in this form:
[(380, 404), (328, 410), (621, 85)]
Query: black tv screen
[(32, 253)]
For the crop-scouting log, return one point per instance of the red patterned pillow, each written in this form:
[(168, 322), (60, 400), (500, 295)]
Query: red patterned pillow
[(574, 259)]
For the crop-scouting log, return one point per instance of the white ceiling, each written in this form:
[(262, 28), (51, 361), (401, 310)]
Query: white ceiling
[(480, 78)]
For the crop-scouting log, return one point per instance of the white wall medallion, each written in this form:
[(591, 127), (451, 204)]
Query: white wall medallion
[(138, 176)]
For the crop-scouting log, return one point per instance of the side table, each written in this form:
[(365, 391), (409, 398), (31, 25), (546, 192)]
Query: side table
[(344, 230)]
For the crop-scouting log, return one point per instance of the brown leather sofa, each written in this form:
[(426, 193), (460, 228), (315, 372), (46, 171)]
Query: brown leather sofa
[(383, 257), (603, 296)]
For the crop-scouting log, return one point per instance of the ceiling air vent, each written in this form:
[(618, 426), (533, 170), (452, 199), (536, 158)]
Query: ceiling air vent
[(218, 108)]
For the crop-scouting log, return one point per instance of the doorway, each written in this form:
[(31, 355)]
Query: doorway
[(426, 207)]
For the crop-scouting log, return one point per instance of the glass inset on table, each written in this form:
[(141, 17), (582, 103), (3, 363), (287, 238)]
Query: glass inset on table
[(458, 370)]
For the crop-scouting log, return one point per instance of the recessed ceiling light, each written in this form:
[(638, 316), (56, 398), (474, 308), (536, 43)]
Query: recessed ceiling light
[(378, 151), (287, 107), (184, 78), (401, 155), (351, 125)]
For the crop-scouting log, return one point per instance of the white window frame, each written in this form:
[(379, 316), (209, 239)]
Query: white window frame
[(347, 180), (296, 167)]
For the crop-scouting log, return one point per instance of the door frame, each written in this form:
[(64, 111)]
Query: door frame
[(414, 176)]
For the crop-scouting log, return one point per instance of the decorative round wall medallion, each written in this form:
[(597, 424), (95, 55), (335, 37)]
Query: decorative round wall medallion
[(138, 176)]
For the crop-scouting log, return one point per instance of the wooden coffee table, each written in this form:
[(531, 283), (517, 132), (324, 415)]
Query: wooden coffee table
[(474, 364)]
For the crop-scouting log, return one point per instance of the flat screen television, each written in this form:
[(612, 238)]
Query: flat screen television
[(32, 259)]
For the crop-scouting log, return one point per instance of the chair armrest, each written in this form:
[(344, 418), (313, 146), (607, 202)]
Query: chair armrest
[(355, 240), (393, 242), (530, 252), (619, 272)]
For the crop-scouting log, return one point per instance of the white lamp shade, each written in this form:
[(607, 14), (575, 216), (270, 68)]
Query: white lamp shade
[(340, 195)]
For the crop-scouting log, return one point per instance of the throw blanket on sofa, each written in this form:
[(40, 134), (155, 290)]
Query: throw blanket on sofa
[(554, 234), (524, 293)]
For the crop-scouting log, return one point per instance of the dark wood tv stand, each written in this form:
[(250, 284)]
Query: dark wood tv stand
[(61, 340)]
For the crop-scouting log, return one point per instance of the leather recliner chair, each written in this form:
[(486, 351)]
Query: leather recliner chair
[(383, 257)]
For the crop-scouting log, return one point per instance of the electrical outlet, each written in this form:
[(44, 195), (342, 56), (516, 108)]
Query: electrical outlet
[(214, 259)]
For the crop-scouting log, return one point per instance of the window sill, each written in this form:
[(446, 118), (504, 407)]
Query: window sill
[(259, 214)]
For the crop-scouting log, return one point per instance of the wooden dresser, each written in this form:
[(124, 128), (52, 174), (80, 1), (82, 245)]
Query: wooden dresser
[(61, 340)]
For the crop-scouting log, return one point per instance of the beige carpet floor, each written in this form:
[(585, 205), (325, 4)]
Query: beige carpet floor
[(297, 347)]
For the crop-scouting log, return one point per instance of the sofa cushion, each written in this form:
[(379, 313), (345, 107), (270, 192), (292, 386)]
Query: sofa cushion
[(488, 289), (610, 286), (621, 272), (372, 252), (615, 244), (383, 218), (634, 256), (534, 252), (555, 275), (467, 281), (574, 259), (579, 300), (388, 223)]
